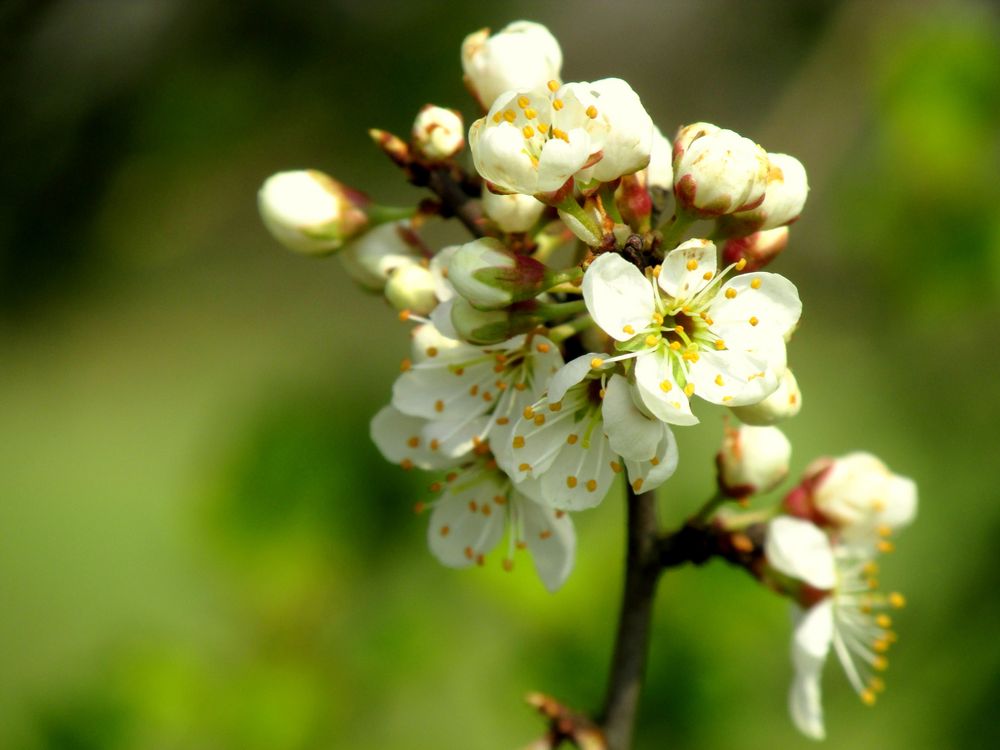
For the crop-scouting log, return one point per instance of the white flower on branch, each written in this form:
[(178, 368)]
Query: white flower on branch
[(753, 460), (438, 133), (691, 331), (841, 608), (784, 199), (523, 55), (718, 172)]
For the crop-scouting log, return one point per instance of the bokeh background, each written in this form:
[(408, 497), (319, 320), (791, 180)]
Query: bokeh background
[(199, 548)]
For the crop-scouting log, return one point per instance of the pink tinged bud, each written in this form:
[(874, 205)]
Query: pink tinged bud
[(757, 249), (787, 189), (752, 460), (311, 213), (799, 502), (523, 56), (411, 287), (438, 133), (686, 134), (634, 200), (490, 276), (860, 495), (719, 173), (784, 403)]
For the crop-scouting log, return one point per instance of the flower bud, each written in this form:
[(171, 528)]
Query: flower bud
[(783, 404), (857, 494), (757, 249), (514, 212), (659, 175), (685, 135), (438, 133), (719, 173), (411, 287), (752, 460), (524, 56), (787, 188), (485, 327), (490, 276), (371, 258), (310, 212)]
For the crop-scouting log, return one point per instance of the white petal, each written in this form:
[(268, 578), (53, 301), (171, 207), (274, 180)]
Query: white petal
[(467, 522), (801, 550), (458, 391), (400, 439), (534, 447), (570, 374), (900, 502), (618, 296), (429, 342), (559, 160), (732, 378), (551, 540), (581, 475), (686, 267), (630, 432), (774, 304), (655, 472), (810, 645), (454, 438), (653, 372), (443, 288), (441, 319)]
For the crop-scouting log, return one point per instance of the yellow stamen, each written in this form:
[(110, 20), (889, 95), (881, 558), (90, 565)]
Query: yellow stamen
[(528, 131), (666, 385), (720, 344), (557, 104), (596, 362), (523, 102), (571, 482), (730, 293), (553, 85), (755, 284), (753, 320), (518, 441), (591, 111), (692, 264)]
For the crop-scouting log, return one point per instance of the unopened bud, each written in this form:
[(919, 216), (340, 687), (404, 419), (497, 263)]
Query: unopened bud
[(310, 212), (659, 174), (719, 173), (757, 249), (523, 56), (485, 327), (685, 135), (514, 212), (411, 287), (438, 133), (784, 403), (371, 258), (752, 460), (490, 276), (787, 188)]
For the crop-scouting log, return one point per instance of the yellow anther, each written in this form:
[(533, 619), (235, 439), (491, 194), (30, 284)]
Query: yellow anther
[(530, 113), (870, 568), (868, 697), (557, 104), (473, 506), (474, 390), (553, 85), (518, 441), (523, 102), (637, 485), (498, 118), (419, 506), (877, 684), (720, 344), (883, 621), (469, 553), (689, 390), (487, 510), (431, 351), (503, 420), (601, 393), (499, 499), (708, 275), (897, 600), (528, 412), (571, 481), (692, 265), (616, 467), (507, 564), (885, 546), (654, 461), (557, 406), (880, 645), (510, 115), (657, 270), (543, 127), (666, 385), (884, 530), (435, 486), (691, 355), (753, 320), (445, 529), (675, 345), (459, 371), (730, 293), (652, 339), (545, 534), (439, 405), (404, 315), (539, 419), (560, 134), (596, 362), (413, 442), (480, 560), (572, 438), (726, 399), (524, 467), (880, 663), (591, 485), (406, 464), (719, 381), (628, 329), (591, 111), (528, 131), (543, 348), (741, 264), (679, 329), (755, 284), (405, 365), (658, 319), (878, 506)]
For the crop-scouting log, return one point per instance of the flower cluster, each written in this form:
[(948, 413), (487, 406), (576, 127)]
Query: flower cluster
[(614, 276)]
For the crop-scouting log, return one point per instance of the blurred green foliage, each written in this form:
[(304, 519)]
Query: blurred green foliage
[(199, 547)]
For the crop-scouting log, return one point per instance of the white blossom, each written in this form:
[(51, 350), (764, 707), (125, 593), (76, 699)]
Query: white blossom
[(719, 172), (523, 55), (512, 212), (310, 212), (692, 331), (568, 445), (846, 612), (438, 133)]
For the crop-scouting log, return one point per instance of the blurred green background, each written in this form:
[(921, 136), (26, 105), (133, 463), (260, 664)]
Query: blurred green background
[(199, 548)]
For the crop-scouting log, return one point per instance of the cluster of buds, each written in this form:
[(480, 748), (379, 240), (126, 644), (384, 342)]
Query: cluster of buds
[(564, 342)]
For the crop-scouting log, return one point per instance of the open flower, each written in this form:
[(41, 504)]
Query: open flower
[(692, 331), (523, 55), (842, 608), (475, 508), (567, 446)]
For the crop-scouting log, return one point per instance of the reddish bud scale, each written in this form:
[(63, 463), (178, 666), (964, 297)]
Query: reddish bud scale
[(635, 202), (799, 501), (757, 249)]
